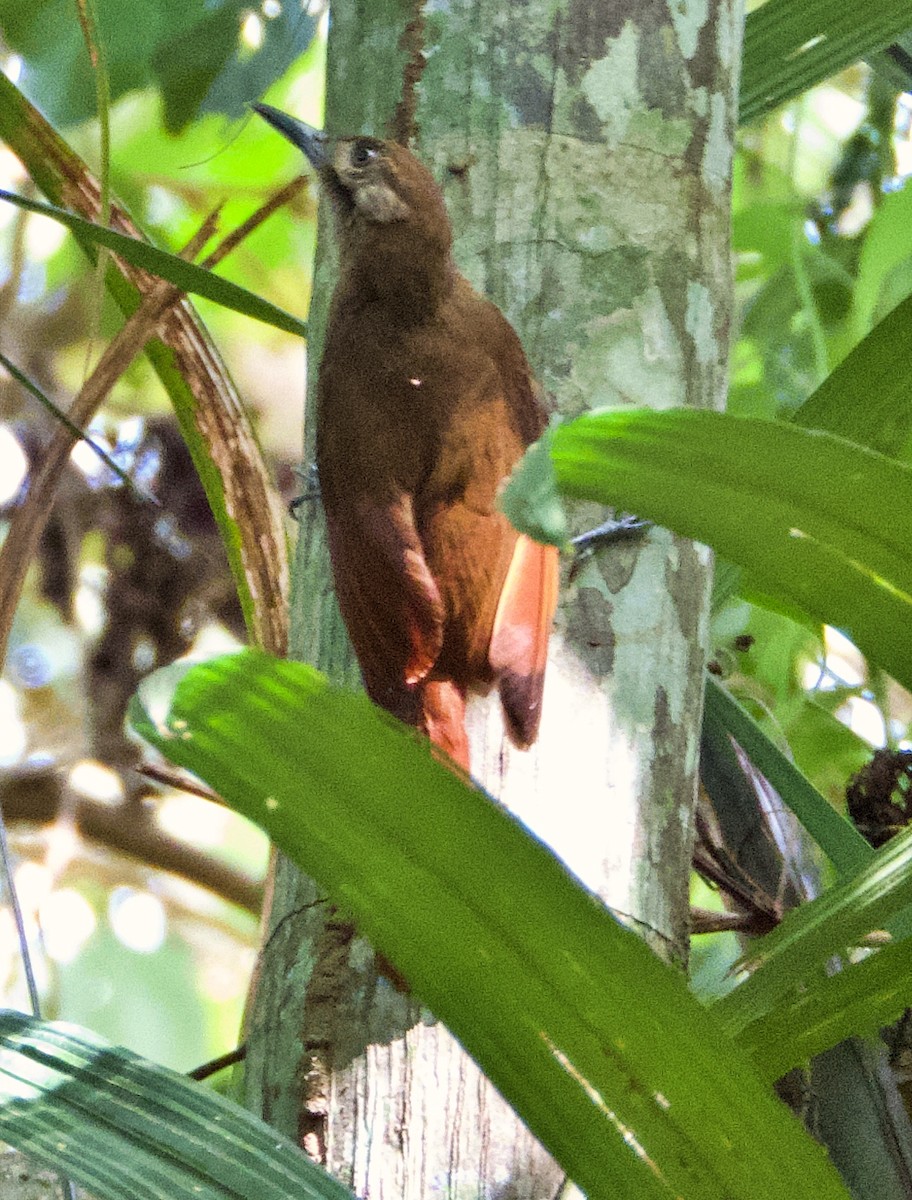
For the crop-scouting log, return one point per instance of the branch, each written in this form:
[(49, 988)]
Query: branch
[(41, 797), (29, 520)]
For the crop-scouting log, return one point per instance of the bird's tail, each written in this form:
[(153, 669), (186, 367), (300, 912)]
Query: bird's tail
[(519, 641)]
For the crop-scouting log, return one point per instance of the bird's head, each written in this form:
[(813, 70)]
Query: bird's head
[(383, 197)]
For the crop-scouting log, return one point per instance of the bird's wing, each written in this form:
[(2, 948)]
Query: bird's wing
[(525, 610), (388, 597), (519, 641)]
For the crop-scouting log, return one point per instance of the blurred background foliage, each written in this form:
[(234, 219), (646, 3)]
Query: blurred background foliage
[(159, 959)]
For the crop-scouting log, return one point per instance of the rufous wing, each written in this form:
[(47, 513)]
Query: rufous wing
[(389, 600), (519, 641), (443, 718)]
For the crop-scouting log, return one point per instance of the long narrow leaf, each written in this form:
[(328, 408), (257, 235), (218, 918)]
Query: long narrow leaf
[(790, 47), (128, 1129), (854, 1002), (556, 1000), (879, 369), (184, 275), (839, 840), (212, 419), (818, 521), (802, 946)]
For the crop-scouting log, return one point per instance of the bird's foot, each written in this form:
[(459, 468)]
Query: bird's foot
[(311, 481), (614, 530)]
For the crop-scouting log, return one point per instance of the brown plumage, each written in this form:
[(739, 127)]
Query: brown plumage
[(425, 403)]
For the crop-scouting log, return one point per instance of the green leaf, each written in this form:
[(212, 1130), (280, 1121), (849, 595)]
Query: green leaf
[(790, 47), (187, 66), (837, 837), (817, 520), (537, 508), (124, 1127), (879, 369), (192, 49), (61, 174), (801, 947), (58, 74), (825, 749), (553, 997), (857, 1001), (884, 264), (763, 230), (184, 275), (285, 36)]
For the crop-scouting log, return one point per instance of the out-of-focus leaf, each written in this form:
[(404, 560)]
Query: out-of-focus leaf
[(837, 837), (818, 521), (825, 749), (868, 397), (193, 49), (192, 374), (789, 47), (186, 65), (556, 1000), (127, 1129), (884, 275), (764, 230), (538, 509), (186, 276), (853, 1002), (784, 641), (284, 37), (797, 952)]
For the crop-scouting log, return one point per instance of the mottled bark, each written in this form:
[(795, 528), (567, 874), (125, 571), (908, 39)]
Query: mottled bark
[(584, 149)]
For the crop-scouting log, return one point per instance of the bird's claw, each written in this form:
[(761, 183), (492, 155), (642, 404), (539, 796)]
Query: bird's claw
[(311, 489), (613, 530)]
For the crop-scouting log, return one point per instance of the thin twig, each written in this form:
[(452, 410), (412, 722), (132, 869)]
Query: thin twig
[(7, 866), (66, 1184), (238, 1054), (232, 240), (29, 520), (78, 434), (40, 797), (174, 777)]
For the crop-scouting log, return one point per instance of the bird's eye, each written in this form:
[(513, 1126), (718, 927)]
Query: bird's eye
[(362, 153)]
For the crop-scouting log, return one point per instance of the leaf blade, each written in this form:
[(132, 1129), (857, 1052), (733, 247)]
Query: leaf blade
[(857, 1001), (811, 935), (186, 276), (789, 47), (818, 521), (839, 840), (537, 981), (124, 1126)]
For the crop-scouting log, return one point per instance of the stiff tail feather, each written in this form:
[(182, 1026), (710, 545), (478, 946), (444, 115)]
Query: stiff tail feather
[(519, 641)]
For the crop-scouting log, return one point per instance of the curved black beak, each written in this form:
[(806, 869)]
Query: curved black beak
[(311, 141)]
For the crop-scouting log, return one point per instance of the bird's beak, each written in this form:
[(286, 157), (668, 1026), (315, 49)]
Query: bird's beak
[(305, 137)]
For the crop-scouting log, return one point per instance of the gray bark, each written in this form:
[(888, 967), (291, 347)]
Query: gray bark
[(584, 149), (22, 1179)]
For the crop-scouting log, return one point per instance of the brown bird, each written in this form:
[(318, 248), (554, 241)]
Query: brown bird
[(425, 402)]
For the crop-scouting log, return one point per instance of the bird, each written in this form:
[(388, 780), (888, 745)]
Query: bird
[(425, 402)]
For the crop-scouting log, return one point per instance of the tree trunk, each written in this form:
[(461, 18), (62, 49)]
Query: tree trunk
[(584, 149)]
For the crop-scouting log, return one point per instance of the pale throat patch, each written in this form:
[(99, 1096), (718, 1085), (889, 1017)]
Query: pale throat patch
[(378, 202)]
